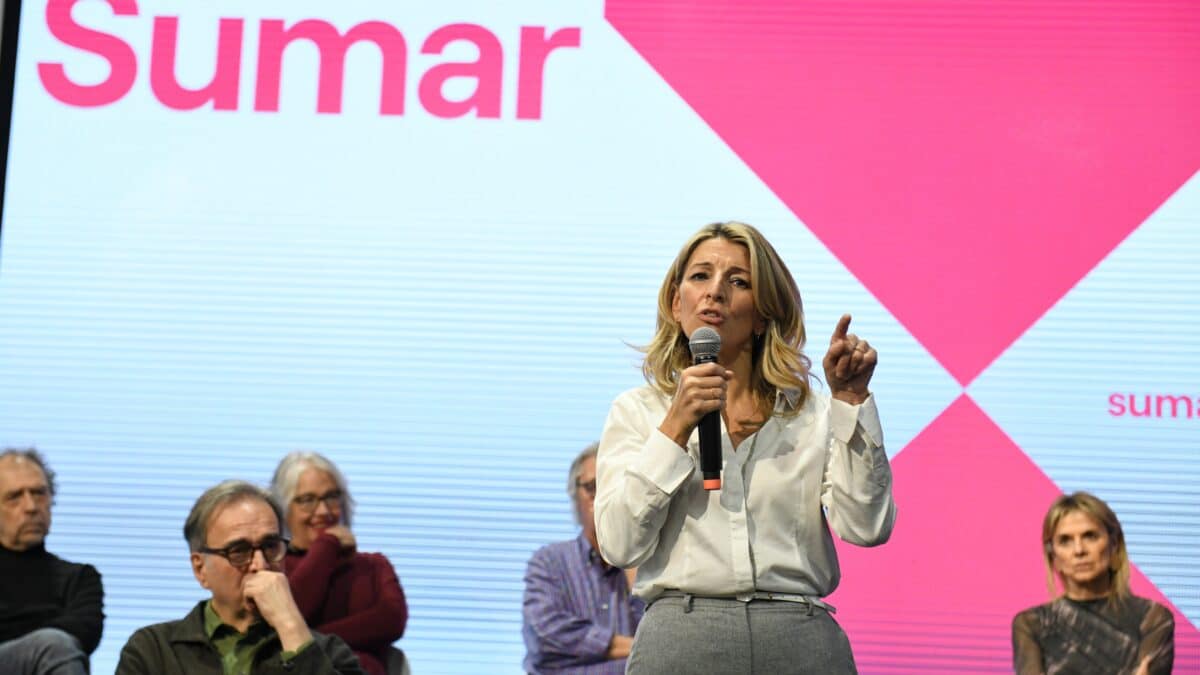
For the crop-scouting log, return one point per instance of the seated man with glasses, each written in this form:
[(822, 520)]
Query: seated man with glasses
[(51, 610), (251, 623), (579, 614)]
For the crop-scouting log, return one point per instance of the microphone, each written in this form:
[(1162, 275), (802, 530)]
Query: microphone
[(705, 344)]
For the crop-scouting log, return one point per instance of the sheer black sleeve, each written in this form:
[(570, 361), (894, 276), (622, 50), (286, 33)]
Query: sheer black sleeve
[(1158, 640), (1027, 651)]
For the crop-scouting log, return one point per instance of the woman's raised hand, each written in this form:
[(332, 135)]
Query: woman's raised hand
[(849, 364), (344, 536)]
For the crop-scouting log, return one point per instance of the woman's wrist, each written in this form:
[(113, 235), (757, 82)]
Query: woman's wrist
[(851, 397), (671, 431)]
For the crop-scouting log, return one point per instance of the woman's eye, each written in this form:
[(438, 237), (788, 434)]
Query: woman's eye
[(698, 276), (741, 283)]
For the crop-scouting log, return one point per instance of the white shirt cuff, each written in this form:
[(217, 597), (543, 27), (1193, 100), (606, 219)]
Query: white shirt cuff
[(844, 418), (664, 464)]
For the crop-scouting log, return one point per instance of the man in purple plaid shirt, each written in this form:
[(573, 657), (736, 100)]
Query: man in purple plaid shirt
[(579, 614)]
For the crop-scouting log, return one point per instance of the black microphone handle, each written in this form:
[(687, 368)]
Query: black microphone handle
[(710, 441), (710, 450)]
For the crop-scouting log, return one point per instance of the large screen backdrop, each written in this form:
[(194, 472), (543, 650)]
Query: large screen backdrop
[(421, 238)]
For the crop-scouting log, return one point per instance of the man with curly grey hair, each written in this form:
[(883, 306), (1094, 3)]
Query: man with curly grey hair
[(51, 610)]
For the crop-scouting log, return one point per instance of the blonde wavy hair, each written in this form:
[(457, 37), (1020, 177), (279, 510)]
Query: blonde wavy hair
[(778, 364), (1095, 508)]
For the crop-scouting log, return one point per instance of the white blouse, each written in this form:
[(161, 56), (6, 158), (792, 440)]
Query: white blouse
[(768, 527)]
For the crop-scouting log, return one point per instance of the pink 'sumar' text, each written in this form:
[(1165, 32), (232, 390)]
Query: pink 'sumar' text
[(536, 45)]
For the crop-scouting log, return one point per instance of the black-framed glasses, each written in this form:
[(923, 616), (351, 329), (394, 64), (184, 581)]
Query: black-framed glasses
[(241, 552), (588, 487), (308, 502)]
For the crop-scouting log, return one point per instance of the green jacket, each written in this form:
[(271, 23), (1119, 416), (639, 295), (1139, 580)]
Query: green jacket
[(183, 648)]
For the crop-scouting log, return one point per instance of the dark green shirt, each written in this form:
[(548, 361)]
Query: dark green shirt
[(237, 649)]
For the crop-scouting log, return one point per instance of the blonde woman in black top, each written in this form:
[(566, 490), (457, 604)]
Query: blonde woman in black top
[(1096, 625)]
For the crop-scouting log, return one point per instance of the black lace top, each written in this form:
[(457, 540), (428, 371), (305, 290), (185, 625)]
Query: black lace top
[(1093, 637)]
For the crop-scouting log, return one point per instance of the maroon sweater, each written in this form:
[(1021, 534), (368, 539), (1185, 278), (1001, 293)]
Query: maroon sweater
[(355, 596)]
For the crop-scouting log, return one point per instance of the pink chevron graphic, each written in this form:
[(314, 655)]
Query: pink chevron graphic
[(941, 596), (968, 161)]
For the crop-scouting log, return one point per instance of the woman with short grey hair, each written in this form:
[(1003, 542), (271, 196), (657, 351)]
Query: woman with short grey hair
[(287, 475), (339, 590)]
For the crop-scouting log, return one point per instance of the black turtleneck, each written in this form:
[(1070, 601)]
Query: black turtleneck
[(40, 590)]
